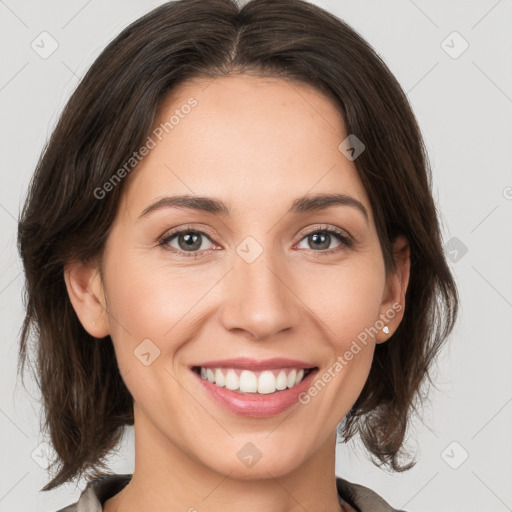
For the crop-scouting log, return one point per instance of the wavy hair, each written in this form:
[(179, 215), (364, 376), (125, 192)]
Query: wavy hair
[(85, 401)]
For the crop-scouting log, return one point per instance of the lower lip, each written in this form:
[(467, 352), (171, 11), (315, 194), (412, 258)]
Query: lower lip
[(256, 406)]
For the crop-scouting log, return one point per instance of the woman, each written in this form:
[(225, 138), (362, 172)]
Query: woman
[(230, 242)]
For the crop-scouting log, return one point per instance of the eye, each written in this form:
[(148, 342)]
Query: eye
[(187, 240), (320, 239)]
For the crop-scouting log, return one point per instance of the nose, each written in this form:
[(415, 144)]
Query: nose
[(258, 298)]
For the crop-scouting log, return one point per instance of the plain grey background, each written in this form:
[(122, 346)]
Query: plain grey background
[(453, 58)]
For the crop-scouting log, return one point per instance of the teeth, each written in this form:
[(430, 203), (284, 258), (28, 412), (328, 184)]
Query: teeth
[(266, 383), (219, 378), (246, 381), (281, 381), (232, 381), (291, 378)]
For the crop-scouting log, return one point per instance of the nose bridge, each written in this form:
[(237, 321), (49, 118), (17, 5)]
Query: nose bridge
[(258, 298)]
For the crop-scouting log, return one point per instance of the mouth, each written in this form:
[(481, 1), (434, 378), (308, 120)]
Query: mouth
[(248, 382), (254, 389)]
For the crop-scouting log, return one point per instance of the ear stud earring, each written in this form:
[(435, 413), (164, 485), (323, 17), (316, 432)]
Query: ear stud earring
[(385, 329)]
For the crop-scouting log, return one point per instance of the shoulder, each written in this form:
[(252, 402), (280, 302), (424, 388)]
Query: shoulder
[(97, 491), (362, 498)]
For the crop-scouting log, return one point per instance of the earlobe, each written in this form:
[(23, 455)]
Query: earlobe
[(393, 305), (86, 293)]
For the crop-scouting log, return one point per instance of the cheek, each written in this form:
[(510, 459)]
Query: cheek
[(150, 298), (347, 301), (347, 298), (149, 309)]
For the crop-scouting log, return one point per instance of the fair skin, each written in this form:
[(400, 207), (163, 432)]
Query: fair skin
[(257, 144)]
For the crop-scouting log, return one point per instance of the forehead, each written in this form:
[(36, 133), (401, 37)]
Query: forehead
[(252, 141)]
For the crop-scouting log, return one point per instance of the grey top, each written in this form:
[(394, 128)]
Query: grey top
[(100, 489)]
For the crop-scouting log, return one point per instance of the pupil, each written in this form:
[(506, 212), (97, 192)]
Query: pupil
[(321, 236), (191, 241)]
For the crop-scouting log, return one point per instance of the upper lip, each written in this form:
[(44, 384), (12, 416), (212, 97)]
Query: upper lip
[(247, 363)]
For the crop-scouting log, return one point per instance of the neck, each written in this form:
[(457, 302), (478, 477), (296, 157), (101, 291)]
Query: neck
[(166, 478)]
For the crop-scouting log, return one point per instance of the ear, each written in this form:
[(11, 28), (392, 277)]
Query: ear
[(393, 304), (86, 293)]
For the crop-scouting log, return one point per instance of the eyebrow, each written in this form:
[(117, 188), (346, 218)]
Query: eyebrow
[(308, 203)]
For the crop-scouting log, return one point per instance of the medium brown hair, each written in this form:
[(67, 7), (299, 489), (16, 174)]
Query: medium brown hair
[(85, 401)]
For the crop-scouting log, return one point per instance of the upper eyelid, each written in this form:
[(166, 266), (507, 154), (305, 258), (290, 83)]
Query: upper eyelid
[(180, 229), (313, 229)]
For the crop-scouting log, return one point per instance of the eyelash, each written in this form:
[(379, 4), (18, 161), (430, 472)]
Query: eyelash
[(346, 241)]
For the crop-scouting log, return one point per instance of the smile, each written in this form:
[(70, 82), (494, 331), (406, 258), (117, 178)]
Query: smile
[(254, 382), (255, 394)]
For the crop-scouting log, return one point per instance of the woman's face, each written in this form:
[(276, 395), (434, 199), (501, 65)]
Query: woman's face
[(260, 278)]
